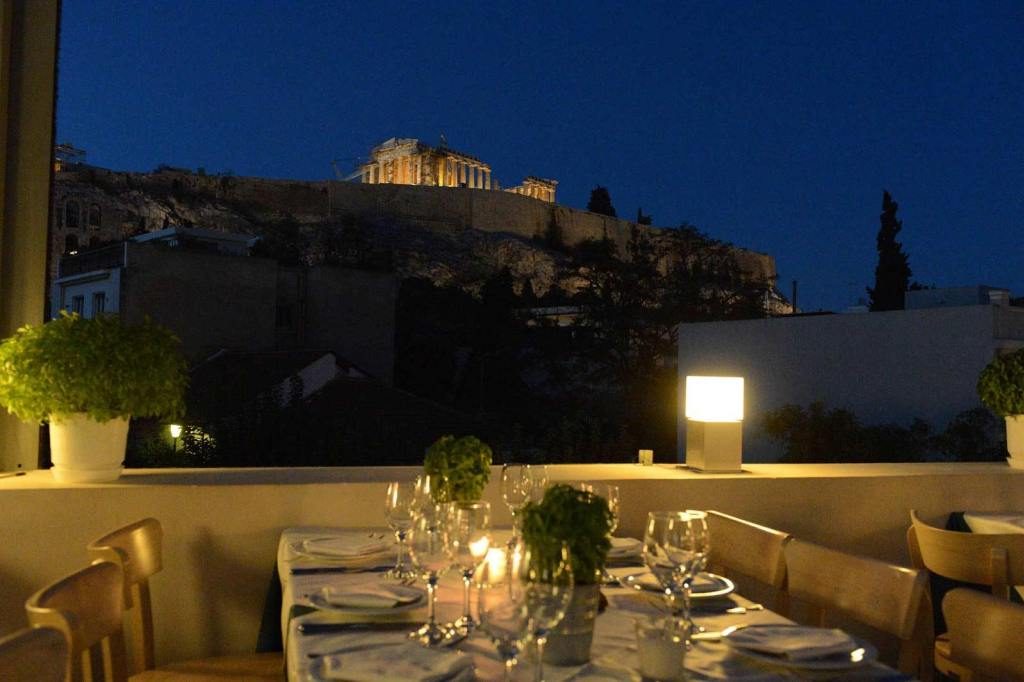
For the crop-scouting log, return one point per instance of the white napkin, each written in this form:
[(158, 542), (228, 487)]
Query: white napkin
[(795, 643), (345, 546), (367, 596), (623, 548), (410, 662)]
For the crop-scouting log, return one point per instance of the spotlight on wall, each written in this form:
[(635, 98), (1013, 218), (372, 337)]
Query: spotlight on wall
[(714, 424)]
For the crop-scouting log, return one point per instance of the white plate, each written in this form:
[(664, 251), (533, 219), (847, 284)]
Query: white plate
[(320, 601), (719, 587), (861, 653), (318, 674)]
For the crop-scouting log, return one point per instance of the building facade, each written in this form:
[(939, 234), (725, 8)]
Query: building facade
[(885, 367), (407, 161)]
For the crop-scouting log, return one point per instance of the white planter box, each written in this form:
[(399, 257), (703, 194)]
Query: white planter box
[(1015, 440), (87, 451)]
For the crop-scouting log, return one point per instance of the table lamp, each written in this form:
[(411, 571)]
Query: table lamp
[(714, 424)]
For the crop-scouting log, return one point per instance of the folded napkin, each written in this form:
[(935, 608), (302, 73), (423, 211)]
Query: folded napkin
[(367, 596), (345, 546), (625, 547), (409, 662), (795, 643)]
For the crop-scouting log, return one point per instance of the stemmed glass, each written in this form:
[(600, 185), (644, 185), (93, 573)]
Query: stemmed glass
[(469, 539), (398, 510), (502, 603), (429, 551), (516, 484), (611, 495), (547, 575), (538, 481), (676, 546)]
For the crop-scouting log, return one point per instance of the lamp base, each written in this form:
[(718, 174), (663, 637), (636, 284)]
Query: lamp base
[(714, 447)]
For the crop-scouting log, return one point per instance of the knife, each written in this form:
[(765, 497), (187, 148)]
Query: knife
[(316, 570), (324, 628)]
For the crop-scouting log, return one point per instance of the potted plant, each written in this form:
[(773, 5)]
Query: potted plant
[(583, 521), (87, 378), (465, 464), (1001, 389)]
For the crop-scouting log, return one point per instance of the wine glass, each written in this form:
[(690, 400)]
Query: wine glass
[(611, 496), (547, 575), (398, 510), (429, 552), (502, 604), (538, 481), (516, 484), (469, 539), (676, 546)]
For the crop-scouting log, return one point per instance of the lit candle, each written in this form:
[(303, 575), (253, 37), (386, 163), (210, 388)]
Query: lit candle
[(646, 457)]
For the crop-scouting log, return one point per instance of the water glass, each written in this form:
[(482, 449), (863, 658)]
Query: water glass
[(430, 555), (676, 546), (504, 615), (469, 540), (546, 573), (538, 481), (516, 486), (398, 511), (661, 649)]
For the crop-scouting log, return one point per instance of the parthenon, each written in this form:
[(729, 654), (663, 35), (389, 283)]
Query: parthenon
[(407, 161)]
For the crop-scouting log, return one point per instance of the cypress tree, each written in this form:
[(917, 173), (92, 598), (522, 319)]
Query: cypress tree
[(892, 274)]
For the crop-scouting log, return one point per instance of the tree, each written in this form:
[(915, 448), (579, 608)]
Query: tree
[(892, 274), (601, 202)]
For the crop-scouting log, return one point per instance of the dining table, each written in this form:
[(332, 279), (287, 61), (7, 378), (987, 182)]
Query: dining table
[(312, 634)]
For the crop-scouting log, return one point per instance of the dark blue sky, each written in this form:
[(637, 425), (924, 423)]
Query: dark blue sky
[(772, 125)]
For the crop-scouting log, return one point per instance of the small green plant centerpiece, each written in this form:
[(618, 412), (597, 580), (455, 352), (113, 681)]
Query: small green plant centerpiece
[(583, 521), (465, 464), (87, 378), (1001, 389)]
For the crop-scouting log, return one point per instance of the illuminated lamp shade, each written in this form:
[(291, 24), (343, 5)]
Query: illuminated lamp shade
[(714, 424), (175, 430)]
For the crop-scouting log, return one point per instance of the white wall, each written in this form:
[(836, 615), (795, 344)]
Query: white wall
[(886, 367)]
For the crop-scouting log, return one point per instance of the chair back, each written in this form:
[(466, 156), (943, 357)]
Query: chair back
[(752, 550), (87, 607), (986, 634), (888, 598), (138, 549), (34, 655), (979, 558)]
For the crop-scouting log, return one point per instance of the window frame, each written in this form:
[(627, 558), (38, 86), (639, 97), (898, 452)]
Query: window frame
[(28, 68)]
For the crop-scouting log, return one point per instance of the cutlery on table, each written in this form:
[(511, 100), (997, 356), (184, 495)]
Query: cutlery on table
[(317, 570), (325, 628)]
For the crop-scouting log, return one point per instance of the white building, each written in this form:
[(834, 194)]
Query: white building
[(885, 367)]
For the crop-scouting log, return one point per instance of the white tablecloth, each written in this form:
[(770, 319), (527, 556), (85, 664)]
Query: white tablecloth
[(614, 648), (996, 524)]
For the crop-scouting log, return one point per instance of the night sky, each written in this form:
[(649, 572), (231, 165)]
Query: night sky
[(772, 125)]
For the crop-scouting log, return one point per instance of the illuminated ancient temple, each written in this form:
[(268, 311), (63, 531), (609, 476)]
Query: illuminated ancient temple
[(407, 161)]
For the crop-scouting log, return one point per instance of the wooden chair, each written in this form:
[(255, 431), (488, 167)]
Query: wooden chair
[(986, 635), (754, 551), (995, 561), (34, 655), (86, 607), (888, 598), (138, 550)]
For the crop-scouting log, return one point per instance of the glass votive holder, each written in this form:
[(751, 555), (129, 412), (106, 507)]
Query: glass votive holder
[(662, 650), (645, 457)]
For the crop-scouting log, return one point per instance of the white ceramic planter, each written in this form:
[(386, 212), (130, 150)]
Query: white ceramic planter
[(87, 451), (1015, 440)]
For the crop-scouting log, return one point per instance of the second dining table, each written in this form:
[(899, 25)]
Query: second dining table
[(310, 633)]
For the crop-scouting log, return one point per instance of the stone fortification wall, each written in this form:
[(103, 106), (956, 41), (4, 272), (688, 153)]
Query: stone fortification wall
[(456, 208)]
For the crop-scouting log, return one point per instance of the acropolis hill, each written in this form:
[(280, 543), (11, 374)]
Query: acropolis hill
[(445, 233)]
